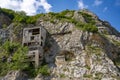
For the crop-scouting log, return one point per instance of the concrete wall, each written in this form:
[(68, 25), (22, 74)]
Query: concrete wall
[(35, 38)]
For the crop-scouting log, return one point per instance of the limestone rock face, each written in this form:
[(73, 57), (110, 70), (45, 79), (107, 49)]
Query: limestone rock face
[(88, 63), (15, 75), (78, 17), (106, 28), (94, 53), (93, 56), (39, 77)]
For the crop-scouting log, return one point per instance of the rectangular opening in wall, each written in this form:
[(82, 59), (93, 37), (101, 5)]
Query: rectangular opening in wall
[(41, 37), (33, 48), (35, 31), (39, 56), (41, 43), (30, 31), (29, 44), (34, 53), (32, 38), (25, 44)]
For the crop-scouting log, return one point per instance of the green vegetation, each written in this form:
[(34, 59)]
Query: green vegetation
[(116, 42), (94, 50), (62, 75), (98, 75), (4, 26), (88, 18), (65, 69), (64, 16), (88, 67), (33, 19), (12, 57), (87, 27), (44, 70), (117, 61), (8, 48), (8, 12), (68, 13), (20, 17), (87, 75)]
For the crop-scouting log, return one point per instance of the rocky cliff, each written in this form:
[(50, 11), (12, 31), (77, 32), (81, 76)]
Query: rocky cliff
[(79, 46)]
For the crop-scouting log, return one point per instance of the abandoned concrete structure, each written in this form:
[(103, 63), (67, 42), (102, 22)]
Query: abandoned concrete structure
[(63, 56), (60, 60), (34, 38)]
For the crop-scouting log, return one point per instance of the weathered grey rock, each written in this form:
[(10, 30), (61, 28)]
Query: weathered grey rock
[(78, 17), (86, 64), (41, 77), (105, 27), (15, 75)]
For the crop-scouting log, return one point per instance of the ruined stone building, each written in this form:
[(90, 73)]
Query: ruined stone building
[(34, 38)]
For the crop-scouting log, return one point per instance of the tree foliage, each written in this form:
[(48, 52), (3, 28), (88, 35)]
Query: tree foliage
[(44, 70), (9, 48), (17, 54), (20, 16)]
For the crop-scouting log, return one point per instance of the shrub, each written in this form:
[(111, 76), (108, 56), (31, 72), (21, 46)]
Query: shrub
[(33, 19), (8, 12), (9, 48), (117, 61), (87, 27), (20, 17), (65, 12), (44, 70), (72, 21), (62, 75), (18, 59), (87, 75), (4, 26), (90, 28), (52, 13)]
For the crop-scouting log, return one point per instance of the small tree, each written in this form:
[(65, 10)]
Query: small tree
[(19, 58), (17, 54), (8, 48), (44, 70)]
